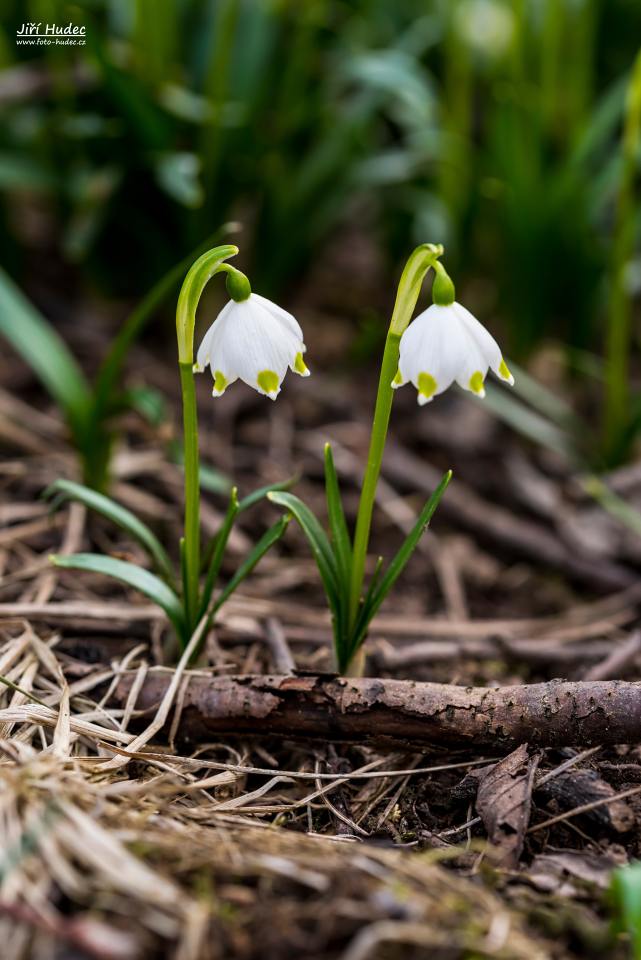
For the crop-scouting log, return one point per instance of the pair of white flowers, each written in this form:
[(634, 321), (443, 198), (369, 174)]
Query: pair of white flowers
[(256, 341)]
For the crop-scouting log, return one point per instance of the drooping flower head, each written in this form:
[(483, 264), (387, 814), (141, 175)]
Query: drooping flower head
[(252, 339), (446, 343)]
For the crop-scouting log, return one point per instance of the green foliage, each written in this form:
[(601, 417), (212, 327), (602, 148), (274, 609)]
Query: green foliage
[(63, 490), (162, 587), (333, 556), (492, 124), (486, 122), (47, 354), (625, 892), (89, 408), (134, 576)]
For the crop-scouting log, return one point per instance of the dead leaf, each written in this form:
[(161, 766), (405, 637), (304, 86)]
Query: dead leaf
[(503, 803), (580, 786), (551, 871)]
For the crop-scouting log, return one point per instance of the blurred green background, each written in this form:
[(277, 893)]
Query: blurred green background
[(492, 126)]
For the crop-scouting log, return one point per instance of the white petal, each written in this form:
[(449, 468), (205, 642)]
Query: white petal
[(256, 342), (204, 350), (473, 367), (484, 340), (290, 322), (447, 343), (433, 344), (253, 340)]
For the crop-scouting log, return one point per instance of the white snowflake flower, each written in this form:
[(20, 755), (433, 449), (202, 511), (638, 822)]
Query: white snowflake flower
[(253, 340), (444, 344)]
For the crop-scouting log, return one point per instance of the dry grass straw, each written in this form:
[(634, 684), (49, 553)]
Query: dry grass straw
[(117, 849)]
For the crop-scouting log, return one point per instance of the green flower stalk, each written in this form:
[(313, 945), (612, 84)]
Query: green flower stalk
[(442, 345), (251, 339), (409, 288), (197, 278)]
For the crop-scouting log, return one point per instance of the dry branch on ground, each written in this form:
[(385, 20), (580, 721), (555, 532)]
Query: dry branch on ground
[(405, 712)]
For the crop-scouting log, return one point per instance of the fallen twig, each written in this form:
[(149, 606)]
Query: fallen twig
[(327, 707)]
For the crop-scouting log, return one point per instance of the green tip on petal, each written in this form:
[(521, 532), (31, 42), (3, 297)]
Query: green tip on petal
[(220, 383), (267, 381), (476, 383), (299, 366), (398, 379), (427, 386), (504, 372)]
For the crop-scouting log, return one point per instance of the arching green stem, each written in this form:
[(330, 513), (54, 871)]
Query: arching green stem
[(409, 288), (191, 291)]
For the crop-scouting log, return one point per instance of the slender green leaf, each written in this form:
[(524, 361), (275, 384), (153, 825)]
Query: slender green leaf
[(317, 539), (346, 643), (183, 570), (252, 498), (34, 338), (261, 492), (265, 543), (364, 616), (219, 544), (615, 505), (147, 583), (337, 523), (135, 323), (529, 423), (212, 480), (148, 402), (399, 562), (545, 401), (121, 516), (626, 893)]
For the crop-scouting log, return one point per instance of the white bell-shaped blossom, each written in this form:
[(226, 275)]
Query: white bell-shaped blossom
[(446, 344), (253, 340)]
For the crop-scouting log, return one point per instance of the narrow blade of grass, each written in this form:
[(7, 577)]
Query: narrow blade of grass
[(121, 516), (318, 541), (337, 523), (133, 576), (42, 349)]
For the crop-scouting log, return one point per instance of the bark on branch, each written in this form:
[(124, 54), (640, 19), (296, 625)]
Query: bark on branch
[(400, 711)]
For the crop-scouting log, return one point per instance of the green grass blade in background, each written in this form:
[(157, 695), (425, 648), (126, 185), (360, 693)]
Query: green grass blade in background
[(615, 505), (401, 559), (542, 399), (317, 539), (215, 552), (44, 351), (121, 516), (625, 890), (112, 366), (337, 523), (256, 495), (528, 422), (265, 543), (619, 326), (133, 576)]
